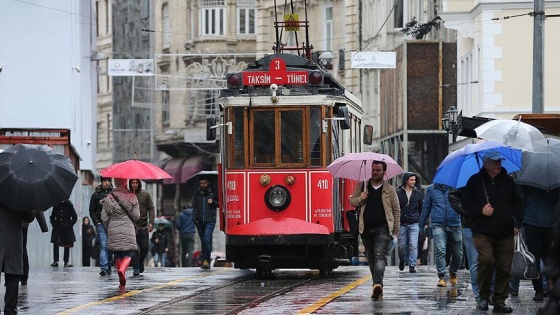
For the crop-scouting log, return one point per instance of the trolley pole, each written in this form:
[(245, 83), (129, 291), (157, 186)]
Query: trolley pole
[(538, 57)]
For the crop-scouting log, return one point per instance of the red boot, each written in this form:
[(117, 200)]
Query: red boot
[(125, 262)]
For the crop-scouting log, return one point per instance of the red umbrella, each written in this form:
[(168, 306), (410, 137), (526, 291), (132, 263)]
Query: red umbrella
[(135, 169)]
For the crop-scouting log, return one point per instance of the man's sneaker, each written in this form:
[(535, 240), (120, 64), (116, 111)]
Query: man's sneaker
[(377, 292), (68, 265), (401, 265), (502, 308), (453, 279), (54, 264), (103, 273), (482, 305), (539, 296), (442, 282), (205, 265), (411, 269)]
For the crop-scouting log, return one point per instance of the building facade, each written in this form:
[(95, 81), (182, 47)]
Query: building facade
[(495, 56), (47, 92)]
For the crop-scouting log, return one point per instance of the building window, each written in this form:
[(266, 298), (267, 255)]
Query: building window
[(407, 10), (165, 106), (165, 25), (246, 17), (329, 28), (212, 17)]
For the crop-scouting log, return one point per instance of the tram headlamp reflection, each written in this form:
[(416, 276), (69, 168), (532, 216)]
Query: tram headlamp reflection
[(277, 198)]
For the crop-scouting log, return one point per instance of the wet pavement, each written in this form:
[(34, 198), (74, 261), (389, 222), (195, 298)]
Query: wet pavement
[(80, 290)]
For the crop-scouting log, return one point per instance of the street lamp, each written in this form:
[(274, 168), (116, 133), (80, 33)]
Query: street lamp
[(450, 121)]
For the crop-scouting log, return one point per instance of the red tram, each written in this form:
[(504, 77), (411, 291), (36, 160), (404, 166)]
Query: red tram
[(283, 120)]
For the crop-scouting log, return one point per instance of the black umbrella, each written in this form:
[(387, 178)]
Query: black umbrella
[(34, 177)]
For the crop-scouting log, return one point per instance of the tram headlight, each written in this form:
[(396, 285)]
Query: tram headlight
[(277, 198), (234, 81)]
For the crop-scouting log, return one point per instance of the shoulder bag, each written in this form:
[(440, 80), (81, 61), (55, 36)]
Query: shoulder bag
[(125, 211)]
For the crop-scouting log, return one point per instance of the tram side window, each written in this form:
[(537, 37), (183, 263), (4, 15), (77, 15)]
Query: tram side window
[(239, 134), (315, 135), (263, 136), (291, 136)]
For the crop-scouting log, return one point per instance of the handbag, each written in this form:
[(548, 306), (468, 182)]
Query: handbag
[(523, 265)]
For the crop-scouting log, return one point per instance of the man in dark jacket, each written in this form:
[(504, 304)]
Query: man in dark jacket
[(446, 227), (144, 225), (11, 257), (63, 218), (538, 222), (185, 225), (552, 270), (95, 207), (205, 204), (493, 202), (410, 200)]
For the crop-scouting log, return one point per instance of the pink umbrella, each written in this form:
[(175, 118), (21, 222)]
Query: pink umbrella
[(357, 166), (135, 169)]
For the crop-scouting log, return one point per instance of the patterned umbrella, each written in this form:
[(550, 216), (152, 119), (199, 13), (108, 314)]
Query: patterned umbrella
[(541, 169)]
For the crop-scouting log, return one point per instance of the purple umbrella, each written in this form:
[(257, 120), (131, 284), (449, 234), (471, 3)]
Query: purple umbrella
[(357, 166)]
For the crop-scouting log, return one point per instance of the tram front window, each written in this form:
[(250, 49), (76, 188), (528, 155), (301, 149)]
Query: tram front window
[(263, 136), (291, 136), (315, 135)]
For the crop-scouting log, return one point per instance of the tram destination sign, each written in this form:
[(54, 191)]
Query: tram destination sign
[(277, 74)]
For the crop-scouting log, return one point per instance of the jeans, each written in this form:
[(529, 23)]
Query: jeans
[(104, 262), (472, 256), (159, 259), (441, 234), (187, 248), (205, 230), (376, 242), (408, 243)]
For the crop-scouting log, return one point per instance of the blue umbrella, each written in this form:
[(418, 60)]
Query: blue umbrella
[(457, 167)]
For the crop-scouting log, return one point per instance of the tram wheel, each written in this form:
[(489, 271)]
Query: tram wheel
[(263, 273), (325, 271)]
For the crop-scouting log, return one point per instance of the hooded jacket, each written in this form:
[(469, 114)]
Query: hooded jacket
[(410, 208), (95, 205), (146, 204), (185, 223), (437, 207), (501, 192)]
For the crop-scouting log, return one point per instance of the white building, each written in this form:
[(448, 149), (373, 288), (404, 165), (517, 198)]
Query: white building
[(48, 82), (495, 50)]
